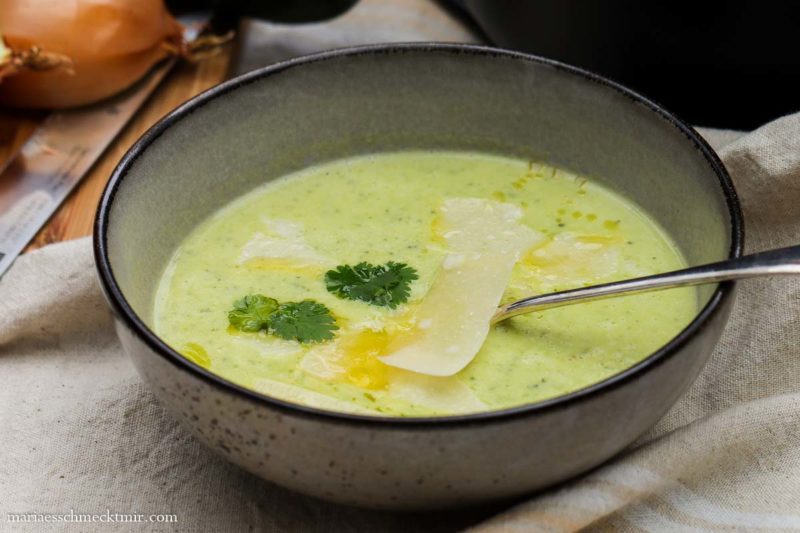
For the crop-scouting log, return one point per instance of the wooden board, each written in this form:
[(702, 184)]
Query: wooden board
[(75, 217)]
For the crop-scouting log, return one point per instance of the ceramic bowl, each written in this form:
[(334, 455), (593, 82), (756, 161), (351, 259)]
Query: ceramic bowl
[(284, 117)]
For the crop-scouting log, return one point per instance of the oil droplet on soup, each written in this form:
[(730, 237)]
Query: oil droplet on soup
[(280, 239)]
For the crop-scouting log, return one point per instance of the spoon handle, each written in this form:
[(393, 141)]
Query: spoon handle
[(781, 261)]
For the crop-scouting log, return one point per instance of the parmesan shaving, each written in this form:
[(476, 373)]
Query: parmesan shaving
[(484, 239)]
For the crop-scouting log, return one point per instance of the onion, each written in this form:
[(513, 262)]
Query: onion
[(6, 59), (34, 58), (64, 53)]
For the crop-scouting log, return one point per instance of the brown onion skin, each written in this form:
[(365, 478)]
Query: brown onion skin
[(112, 44)]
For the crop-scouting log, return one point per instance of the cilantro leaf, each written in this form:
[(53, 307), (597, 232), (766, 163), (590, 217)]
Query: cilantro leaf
[(252, 312), (385, 285), (306, 321)]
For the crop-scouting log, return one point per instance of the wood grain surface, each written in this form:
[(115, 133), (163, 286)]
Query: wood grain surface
[(75, 217)]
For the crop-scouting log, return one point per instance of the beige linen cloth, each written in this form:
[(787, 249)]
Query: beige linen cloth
[(79, 431)]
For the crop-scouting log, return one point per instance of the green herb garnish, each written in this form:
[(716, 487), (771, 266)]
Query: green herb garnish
[(306, 321), (385, 285), (252, 312)]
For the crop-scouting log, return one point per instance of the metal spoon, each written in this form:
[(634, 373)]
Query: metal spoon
[(781, 261)]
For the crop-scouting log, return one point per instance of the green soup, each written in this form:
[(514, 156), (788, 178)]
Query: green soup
[(280, 239)]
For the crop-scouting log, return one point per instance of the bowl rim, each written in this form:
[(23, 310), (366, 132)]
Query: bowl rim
[(131, 320)]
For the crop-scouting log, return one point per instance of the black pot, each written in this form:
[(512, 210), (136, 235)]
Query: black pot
[(226, 12), (724, 64)]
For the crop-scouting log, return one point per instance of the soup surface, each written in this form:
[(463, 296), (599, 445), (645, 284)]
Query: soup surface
[(281, 239)]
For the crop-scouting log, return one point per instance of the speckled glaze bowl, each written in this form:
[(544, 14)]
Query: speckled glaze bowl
[(287, 116)]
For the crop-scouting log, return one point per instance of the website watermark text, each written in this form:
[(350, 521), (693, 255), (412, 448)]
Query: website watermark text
[(76, 517)]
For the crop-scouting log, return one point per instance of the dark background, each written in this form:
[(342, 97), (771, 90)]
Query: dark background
[(725, 64)]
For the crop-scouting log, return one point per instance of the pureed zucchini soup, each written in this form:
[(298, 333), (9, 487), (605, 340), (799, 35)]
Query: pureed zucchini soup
[(366, 285)]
